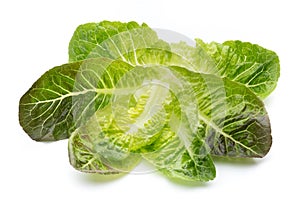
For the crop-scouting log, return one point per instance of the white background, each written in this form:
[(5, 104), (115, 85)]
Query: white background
[(34, 37)]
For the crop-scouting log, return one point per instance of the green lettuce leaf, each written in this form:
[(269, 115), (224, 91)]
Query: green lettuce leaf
[(245, 129), (235, 120), (88, 36), (114, 40), (249, 64), (171, 157), (66, 96)]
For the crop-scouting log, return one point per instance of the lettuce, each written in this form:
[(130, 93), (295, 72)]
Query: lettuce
[(127, 95)]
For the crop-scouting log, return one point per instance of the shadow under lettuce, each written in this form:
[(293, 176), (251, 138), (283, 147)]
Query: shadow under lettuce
[(94, 178), (219, 160)]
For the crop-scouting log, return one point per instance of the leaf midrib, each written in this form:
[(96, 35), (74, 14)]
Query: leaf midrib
[(73, 94)]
